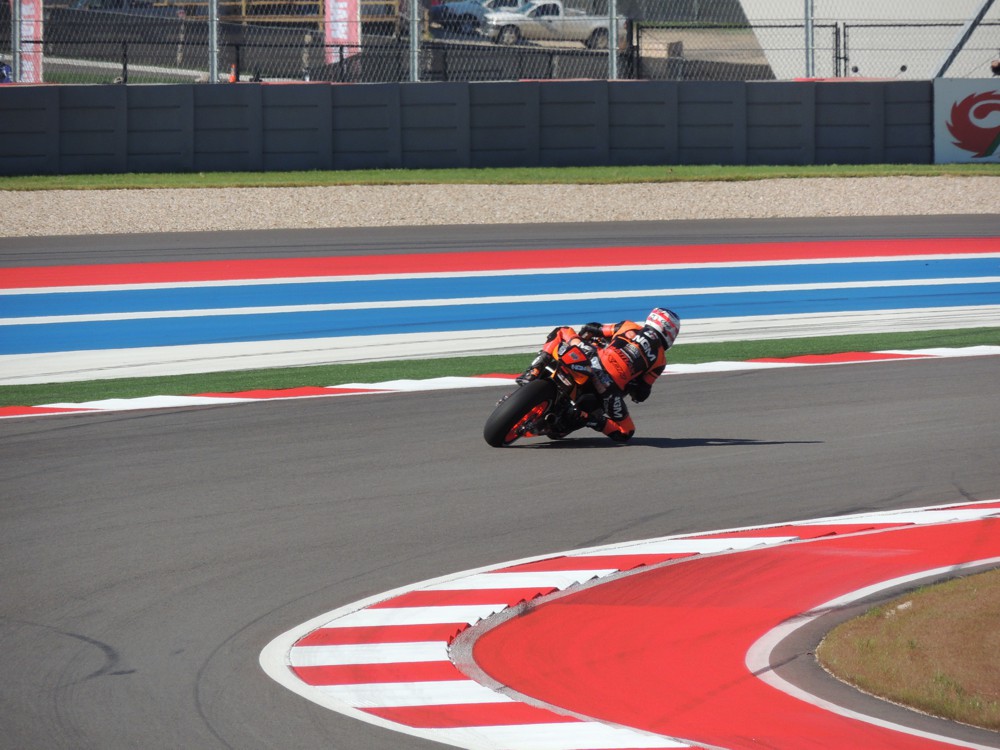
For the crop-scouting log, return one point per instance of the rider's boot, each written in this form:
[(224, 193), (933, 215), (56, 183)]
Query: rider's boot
[(575, 418)]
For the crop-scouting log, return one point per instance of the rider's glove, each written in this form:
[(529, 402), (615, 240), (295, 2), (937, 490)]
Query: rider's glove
[(639, 390), (592, 330)]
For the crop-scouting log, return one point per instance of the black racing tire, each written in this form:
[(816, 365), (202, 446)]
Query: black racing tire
[(512, 411)]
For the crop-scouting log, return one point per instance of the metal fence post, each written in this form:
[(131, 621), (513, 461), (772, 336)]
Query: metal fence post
[(15, 40), (810, 40), (836, 50), (414, 40), (213, 41), (612, 40), (846, 52), (637, 30)]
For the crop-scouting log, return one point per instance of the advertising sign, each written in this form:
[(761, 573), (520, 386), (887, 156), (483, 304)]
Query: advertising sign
[(343, 29), (966, 120)]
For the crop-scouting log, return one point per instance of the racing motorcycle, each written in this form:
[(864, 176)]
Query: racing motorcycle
[(550, 400)]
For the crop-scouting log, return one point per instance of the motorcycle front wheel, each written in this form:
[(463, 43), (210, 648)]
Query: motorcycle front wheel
[(527, 403)]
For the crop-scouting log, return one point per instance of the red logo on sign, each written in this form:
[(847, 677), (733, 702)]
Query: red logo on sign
[(966, 125)]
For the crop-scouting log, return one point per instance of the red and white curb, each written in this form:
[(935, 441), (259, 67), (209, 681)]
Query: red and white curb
[(386, 659), (451, 383)]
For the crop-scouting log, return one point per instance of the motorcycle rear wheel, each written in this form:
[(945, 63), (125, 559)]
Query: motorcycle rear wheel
[(527, 402)]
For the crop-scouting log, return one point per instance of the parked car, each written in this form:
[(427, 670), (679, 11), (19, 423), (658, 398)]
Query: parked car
[(136, 7), (548, 20), (466, 16)]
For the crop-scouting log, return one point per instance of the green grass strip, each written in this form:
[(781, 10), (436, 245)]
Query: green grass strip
[(373, 372), (511, 176)]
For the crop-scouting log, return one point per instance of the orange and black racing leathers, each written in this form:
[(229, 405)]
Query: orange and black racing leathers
[(629, 364)]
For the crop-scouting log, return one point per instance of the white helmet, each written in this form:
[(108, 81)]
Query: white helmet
[(666, 323)]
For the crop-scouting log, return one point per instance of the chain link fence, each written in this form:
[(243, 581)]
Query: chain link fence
[(169, 41)]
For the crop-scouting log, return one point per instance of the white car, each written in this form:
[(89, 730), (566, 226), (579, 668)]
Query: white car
[(548, 20)]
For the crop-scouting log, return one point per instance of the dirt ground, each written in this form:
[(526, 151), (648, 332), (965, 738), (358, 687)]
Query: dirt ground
[(936, 650)]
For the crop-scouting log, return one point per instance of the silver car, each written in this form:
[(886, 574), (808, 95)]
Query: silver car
[(466, 16), (549, 20)]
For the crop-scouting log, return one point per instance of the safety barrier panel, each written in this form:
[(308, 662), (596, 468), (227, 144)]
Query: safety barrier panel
[(261, 127)]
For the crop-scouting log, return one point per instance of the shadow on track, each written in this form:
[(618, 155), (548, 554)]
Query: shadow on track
[(659, 442)]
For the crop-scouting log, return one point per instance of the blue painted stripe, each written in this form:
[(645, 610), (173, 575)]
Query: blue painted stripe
[(119, 334), (351, 292)]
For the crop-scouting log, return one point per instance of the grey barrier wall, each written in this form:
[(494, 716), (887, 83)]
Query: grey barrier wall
[(260, 127)]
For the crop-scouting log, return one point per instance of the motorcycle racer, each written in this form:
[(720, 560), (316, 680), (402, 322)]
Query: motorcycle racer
[(625, 358)]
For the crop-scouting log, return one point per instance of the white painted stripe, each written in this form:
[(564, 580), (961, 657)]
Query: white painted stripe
[(918, 517), (369, 653), (432, 384), (558, 579), (395, 694), (495, 300), (962, 351), (489, 273), (153, 402), (694, 546), (464, 613), (726, 367), (584, 735)]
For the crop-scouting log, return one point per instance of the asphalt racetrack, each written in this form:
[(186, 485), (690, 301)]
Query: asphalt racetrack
[(148, 557)]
